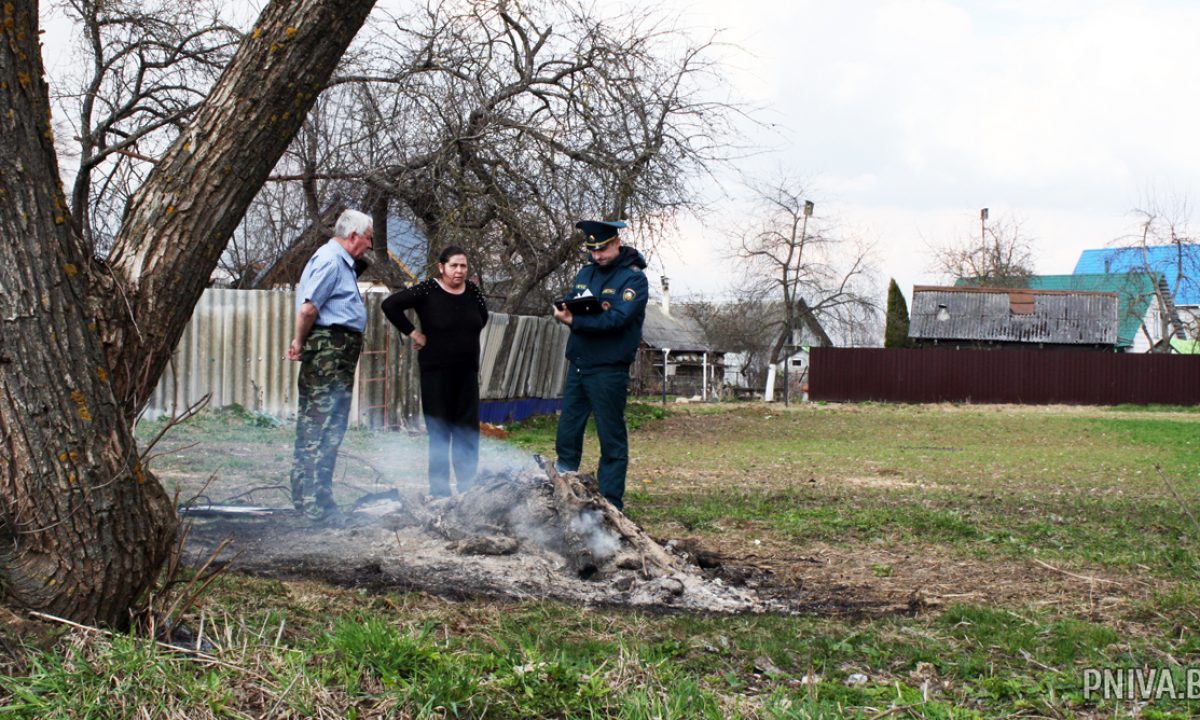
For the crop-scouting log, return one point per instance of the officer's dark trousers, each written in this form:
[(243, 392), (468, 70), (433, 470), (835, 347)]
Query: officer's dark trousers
[(450, 403), (600, 393), (323, 389)]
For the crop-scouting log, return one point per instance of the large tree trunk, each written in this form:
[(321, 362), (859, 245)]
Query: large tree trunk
[(180, 221), (81, 523), (83, 526)]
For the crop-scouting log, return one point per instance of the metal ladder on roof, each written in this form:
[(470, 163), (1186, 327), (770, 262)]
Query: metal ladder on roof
[(1169, 309)]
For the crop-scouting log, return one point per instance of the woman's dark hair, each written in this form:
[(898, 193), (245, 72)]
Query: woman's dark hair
[(449, 252)]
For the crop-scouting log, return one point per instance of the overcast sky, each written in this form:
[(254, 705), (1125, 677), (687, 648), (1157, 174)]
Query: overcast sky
[(908, 116), (905, 117)]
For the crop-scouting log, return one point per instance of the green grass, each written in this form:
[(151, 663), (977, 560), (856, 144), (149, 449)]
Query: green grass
[(536, 660), (1126, 534), (537, 432), (964, 449), (114, 678), (1123, 408), (942, 487), (227, 423), (1080, 486)]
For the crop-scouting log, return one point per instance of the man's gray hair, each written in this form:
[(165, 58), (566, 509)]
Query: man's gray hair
[(352, 221)]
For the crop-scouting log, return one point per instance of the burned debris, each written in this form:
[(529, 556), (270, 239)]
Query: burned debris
[(521, 534)]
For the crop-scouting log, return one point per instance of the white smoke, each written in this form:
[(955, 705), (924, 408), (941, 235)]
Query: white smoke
[(534, 532), (601, 542), (401, 460), (497, 457)]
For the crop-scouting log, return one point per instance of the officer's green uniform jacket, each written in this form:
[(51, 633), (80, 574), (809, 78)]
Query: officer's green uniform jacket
[(609, 338)]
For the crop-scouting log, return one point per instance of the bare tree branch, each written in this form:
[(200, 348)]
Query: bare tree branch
[(1001, 255), (794, 258), (496, 127), (151, 63)]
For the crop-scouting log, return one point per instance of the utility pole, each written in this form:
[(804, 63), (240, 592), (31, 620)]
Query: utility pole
[(788, 345)]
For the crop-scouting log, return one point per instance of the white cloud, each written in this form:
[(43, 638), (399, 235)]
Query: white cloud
[(912, 114)]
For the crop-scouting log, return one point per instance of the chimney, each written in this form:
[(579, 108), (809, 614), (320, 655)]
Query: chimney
[(666, 300)]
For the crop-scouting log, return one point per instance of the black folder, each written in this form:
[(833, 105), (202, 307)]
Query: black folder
[(582, 305)]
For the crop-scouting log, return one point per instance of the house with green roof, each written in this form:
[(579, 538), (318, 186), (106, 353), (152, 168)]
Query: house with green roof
[(1138, 318), (1179, 267)]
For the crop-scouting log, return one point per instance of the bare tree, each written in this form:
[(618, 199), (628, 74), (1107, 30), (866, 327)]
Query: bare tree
[(84, 524), (495, 126), (795, 258), (277, 218), (320, 174), (859, 325), (144, 68), (736, 327), (1164, 246), (1001, 255)]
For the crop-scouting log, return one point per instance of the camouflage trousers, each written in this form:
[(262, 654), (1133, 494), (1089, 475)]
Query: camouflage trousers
[(326, 383)]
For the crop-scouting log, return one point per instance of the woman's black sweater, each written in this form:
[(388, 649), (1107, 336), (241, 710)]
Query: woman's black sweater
[(451, 323)]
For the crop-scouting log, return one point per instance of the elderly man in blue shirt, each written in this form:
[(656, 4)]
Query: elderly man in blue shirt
[(330, 319)]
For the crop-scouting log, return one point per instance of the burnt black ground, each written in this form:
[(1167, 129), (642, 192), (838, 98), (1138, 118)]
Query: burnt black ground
[(364, 551)]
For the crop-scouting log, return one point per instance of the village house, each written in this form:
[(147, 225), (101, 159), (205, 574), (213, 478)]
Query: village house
[(981, 317), (1178, 267), (694, 368)]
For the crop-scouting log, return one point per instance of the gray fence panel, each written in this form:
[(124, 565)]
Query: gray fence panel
[(497, 387), (234, 349), (518, 364), (546, 370), (490, 350)]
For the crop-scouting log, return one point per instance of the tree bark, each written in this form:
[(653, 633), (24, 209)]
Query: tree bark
[(84, 527), (180, 221)]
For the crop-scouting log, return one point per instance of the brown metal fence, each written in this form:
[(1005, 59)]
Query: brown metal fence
[(1033, 377)]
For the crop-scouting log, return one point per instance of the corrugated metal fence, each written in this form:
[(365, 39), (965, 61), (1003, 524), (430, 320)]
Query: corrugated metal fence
[(1003, 376), (234, 346)]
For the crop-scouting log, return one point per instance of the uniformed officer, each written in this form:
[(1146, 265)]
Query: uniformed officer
[(330, 319), (600, 350)]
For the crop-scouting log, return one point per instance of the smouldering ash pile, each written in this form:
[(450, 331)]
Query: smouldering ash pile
[(527, 534)]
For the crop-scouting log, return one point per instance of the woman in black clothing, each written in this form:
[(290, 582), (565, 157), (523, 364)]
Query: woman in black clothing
[(452, 312)]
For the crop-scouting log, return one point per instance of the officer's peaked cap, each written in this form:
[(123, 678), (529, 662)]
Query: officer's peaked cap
[(597, 233)]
